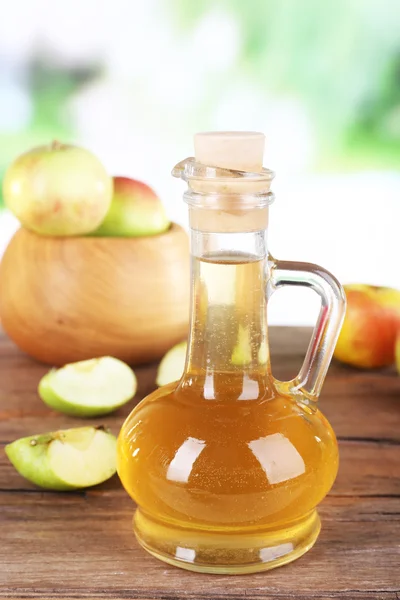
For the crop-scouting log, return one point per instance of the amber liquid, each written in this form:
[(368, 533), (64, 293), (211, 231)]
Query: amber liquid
[(226, 471)]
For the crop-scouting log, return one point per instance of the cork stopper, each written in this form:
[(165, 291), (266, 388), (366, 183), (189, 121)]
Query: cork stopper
[(228, 188), (236, 150)]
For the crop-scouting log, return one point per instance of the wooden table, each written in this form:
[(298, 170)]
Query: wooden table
[(80, 545)]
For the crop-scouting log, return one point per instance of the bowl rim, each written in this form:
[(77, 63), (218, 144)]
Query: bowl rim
[(173, 229)]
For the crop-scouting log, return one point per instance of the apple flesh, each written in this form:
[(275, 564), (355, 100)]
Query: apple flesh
[(89, 388), (135, 211), (241, 354), (58, 190), (368, 336), (172, 365), (65, 460)]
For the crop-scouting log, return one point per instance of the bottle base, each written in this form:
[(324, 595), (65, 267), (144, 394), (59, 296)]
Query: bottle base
[(226, 552)]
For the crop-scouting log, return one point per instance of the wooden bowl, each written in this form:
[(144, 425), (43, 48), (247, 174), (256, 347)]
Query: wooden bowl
[(69, 299)]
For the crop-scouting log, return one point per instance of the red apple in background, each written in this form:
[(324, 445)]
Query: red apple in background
[(397, 351), (135, 211), (58, 190), (369, 331)]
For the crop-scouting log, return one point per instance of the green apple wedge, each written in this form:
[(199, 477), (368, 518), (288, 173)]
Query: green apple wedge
[(89, 388), (67, 459), (241, 354), (172, 365)]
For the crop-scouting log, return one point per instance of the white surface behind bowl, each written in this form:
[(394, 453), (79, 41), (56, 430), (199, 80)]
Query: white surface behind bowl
[(8, 226)]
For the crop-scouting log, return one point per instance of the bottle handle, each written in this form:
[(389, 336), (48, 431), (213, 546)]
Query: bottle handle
[(312, 374)]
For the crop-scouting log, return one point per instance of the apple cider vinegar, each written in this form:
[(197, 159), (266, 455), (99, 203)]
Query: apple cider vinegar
[(228, 464), (223, 451)]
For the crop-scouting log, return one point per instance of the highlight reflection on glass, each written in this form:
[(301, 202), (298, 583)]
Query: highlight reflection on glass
[(208, 391), (251, 389), (267, 554), (181, 465), (187, 554), (278, 457)]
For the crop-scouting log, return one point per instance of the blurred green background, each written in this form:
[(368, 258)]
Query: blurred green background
[(334, 66), (134, 80)]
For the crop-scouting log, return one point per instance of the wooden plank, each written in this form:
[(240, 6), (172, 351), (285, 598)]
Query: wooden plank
[(371, 400), (80, 545), (368, 399), (367, 469), (377, 416), (86, 539)]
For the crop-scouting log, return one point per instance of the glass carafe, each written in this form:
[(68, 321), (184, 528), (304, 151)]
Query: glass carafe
[(228, 464)]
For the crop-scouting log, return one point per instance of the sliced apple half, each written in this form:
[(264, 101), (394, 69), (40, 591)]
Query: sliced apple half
[(89, 388), (172, 365), (241, 354), (67, 459)]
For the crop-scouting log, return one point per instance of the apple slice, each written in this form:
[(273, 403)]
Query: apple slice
[(241, 354), (89, 388), (172, 365), (65, 460)]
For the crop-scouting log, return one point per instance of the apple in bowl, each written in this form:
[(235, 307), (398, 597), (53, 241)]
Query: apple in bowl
[(58, 190), (122, 292), (135, 211)]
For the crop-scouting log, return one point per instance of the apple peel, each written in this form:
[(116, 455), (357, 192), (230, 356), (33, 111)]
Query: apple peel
[(135, 211), (89, 388), (67, 459), (172, 365), (58, 190)]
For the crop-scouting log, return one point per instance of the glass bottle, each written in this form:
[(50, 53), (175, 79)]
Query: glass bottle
[(228, 465)]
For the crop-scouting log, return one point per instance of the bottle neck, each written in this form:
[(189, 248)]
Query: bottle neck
[(228, 323)]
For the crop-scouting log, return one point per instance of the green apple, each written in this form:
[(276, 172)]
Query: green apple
[(89, 388), (172, 365), (58, 190), (65, 460), (135, 211)]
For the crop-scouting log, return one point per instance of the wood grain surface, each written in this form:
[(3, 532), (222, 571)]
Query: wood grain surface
[(69, 299), (80, 545)]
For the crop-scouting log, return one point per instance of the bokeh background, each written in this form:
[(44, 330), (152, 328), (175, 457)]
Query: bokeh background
[(132, 80)]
